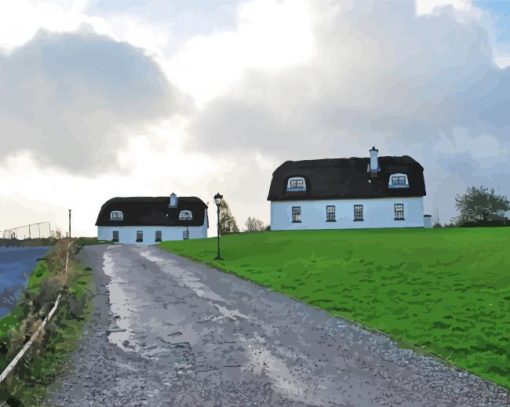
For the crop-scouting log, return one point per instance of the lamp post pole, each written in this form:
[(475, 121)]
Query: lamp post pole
[(69, 223), (217, 200)]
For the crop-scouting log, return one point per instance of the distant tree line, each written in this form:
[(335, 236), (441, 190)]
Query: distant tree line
[(228, 223), (254, 225)]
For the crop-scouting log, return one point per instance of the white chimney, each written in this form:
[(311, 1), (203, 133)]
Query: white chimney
[(173, 201), (374, 161)]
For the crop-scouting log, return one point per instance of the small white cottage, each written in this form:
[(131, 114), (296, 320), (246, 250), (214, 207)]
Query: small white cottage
[(343, 193), (149, 220)]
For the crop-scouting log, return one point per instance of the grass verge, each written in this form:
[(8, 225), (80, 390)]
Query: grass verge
[(27, 384), (442, 291)]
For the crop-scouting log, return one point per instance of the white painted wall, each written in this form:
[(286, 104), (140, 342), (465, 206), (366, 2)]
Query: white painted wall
[(127, 234), (377, 213)]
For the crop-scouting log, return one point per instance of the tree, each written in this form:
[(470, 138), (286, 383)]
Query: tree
[(481, 205), (228, 223), (254, 225)]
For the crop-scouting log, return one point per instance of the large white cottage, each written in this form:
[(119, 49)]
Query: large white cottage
[(149, 220), (343, 193)]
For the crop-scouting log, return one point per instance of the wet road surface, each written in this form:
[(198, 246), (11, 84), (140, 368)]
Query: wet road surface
[(169, 332)]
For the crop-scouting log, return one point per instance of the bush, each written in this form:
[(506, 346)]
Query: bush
[(490, 223), (76, 307), (45, 298)]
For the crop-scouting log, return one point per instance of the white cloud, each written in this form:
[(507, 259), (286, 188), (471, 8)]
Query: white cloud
[(270, 35), (148, 170), (482, 147), (378, 74), (21, 19), (464, 8), (293, 79), (78, 98), (502, 59)]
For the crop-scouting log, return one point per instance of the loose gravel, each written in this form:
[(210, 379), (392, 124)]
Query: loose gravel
[(166, 331)]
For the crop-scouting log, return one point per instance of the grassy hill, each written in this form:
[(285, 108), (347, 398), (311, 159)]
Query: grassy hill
[(444, 291)]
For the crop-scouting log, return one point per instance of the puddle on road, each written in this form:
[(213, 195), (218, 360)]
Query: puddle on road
[(188, 280), (180, 274), (120, 306)]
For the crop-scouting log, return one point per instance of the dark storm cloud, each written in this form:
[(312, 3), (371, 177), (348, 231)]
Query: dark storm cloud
[(71, 99)]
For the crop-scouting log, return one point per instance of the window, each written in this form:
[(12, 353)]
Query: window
[(296, 184), (185, 234), (158, 236), (139, 236), (399, 211), (296, 214), (330, 213), (398, 181), (358, 213), (116, 215), (185, 215), (115, 236)]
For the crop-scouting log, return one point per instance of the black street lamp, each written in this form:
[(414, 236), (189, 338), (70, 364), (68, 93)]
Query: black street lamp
[(217, 200)]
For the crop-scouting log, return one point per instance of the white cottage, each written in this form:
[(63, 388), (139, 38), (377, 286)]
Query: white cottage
[(149, 220), (348, 193)]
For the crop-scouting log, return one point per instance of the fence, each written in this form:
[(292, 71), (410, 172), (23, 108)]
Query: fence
[(14, 236), (32, 231)]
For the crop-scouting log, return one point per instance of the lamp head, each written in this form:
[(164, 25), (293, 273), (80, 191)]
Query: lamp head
[(217, 199)]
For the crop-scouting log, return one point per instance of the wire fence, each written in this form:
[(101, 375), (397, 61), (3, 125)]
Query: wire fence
[(39, 230)]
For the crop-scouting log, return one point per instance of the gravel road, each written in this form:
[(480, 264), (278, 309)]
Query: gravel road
[(169, 332)]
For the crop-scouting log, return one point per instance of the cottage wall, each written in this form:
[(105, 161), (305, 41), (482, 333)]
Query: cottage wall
[(127, 234), (377, 213)]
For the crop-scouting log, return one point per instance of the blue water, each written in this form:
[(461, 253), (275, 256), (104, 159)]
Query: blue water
[(16, 264)]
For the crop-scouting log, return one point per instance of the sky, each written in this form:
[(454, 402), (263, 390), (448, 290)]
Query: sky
[(148, 97)]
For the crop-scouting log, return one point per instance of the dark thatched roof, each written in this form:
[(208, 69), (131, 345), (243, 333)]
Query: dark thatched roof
[(151, 211), (346, 178)]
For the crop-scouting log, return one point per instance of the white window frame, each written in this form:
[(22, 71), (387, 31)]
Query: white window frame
[(399, 213), (296, 214), (186, 214), (295, 180), (359, 215), (403, 180), (117, 215), (330, 213)]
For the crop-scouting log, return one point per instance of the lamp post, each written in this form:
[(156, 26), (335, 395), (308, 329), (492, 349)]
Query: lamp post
[(217, 200)]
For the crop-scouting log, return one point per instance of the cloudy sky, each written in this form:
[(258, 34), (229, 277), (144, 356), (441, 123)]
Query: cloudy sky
[(145, 97)]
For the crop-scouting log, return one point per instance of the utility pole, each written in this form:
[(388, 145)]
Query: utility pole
[(69, 223)]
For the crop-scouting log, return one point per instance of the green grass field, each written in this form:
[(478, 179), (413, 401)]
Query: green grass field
[(443, 291)]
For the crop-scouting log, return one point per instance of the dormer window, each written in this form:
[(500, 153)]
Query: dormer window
[(185, 215), (398, 180), (296, 184), (116, 215)]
